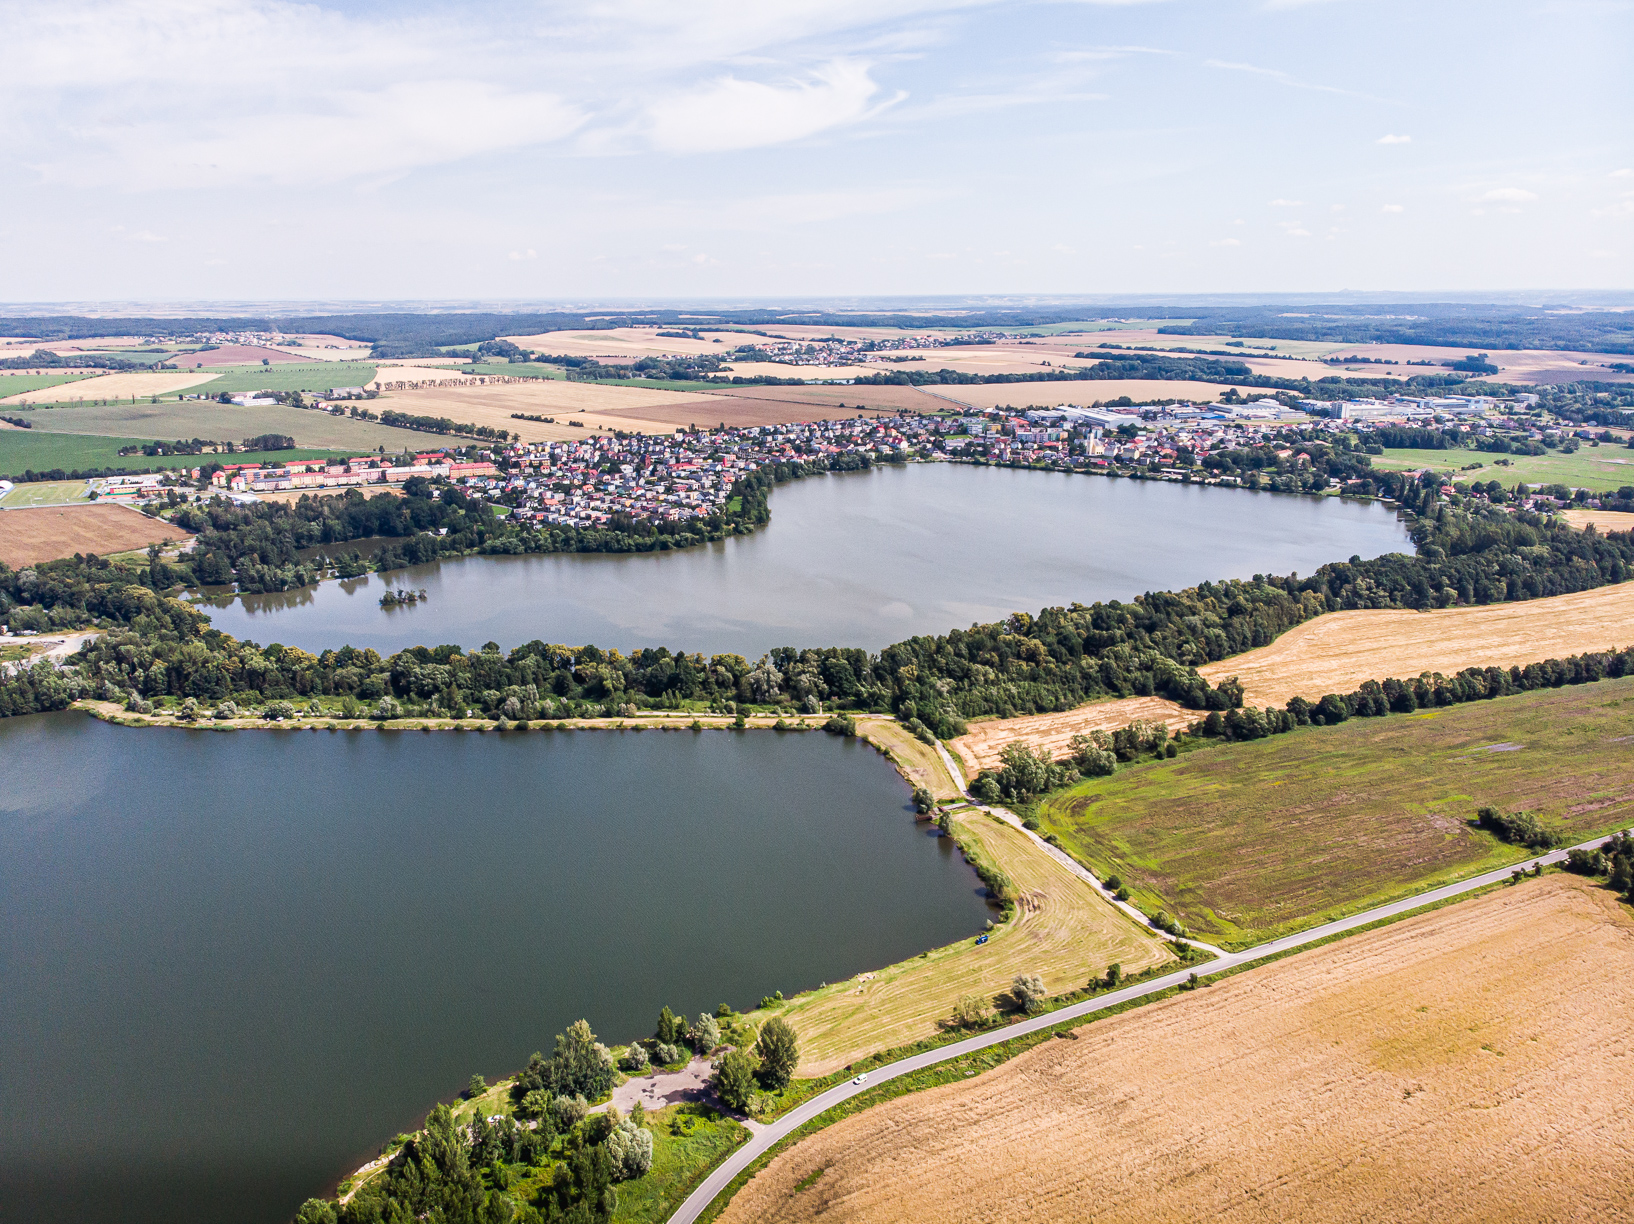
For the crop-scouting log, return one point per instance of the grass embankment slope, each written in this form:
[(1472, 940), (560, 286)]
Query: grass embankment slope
[(1599, 468), (1248, 841), (1337, 652), (1468, 1064), (1062, 930)]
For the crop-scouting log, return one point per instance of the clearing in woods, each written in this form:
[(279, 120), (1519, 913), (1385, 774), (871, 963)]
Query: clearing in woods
[(1465, 1065), (593, 405), (1248, 841), (27, 536), (1337, 652), (1062, 929)]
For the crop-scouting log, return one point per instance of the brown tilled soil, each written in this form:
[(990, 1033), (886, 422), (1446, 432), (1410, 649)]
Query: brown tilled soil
[(44, 534), (1337, 652), (1472, 1064), (980, 746)]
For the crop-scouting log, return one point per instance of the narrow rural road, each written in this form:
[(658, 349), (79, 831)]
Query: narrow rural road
[(800, 1115)]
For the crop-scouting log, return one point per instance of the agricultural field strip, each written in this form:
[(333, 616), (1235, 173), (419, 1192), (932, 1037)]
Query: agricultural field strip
[(798, 1117)]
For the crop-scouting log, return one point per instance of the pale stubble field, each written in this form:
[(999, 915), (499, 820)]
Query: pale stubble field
[(1470, 1064)]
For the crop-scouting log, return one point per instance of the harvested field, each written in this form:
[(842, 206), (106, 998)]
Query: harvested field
[(776, 369), (1337, 652), (238, 354), (1081, 392), (832, 402), (1466, 1065), (1247, 841), (27, 536), (1602, 521), (979, 748), (140, 383), (1062, 929), (630, 343), (741, 411), (594, 405)]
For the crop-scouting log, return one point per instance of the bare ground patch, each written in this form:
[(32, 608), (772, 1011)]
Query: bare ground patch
[(44, 534), (1471, 1064)]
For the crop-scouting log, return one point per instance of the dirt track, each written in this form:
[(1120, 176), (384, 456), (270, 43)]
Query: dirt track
[(1337, 652), (1470, 1064), (44, 534)]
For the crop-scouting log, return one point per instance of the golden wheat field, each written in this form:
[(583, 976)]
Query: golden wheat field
[(1337, 652), (592, 405), (1467, 1065), (1083, 393), (1062, 930)]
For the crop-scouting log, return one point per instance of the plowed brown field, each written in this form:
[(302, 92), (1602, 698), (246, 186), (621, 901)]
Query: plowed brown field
[(1337, 652), (1472, 1064), (27, 536)]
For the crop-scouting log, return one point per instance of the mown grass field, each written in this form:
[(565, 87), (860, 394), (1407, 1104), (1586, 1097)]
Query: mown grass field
[(34, 449), (171, 418), (318, 376), (1600, 468), (46, 493), (1062, 929), (22, 384), (1245, 842)]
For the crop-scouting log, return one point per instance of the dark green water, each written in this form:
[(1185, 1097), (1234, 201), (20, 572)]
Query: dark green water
[(231, 965)]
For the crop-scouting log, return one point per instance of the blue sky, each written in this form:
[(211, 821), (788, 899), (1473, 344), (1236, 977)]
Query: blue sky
[(240, 149)]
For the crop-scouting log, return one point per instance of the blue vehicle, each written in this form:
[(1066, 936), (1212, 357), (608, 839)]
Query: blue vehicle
[(980, 939)]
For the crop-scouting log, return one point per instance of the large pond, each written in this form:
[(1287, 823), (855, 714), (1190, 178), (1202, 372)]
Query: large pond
[(858, 560), (232, 964)]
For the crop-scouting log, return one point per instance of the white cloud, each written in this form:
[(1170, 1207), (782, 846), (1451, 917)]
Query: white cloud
[(530, 253), (1622, 174), (1393, 208), (1283, 78), (1227, 242), (1281, 203), (730, 113), (1389, 139), (1509, 195)]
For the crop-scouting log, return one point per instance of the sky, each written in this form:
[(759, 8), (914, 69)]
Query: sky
[(207, 150)]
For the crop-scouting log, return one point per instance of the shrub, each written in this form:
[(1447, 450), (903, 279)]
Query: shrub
[(1166, 924), (841, 724), (1586, 862), (138, 705), (535, 1104), (705, 1033), (985, 788), (1027, 990), (636, 1060), (970, 1011), (569, 1111), (779, 1052), (276, 711), (734, 1078), (630, 1149), (767, 1002), (225, 710), (190, 709), (1114, 882), (1517, 828), (387, 708), (1114, 975), (671, 1028), (666, 1054), (923, 800)]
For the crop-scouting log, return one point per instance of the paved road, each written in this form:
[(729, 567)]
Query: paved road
[(795, 1118)]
